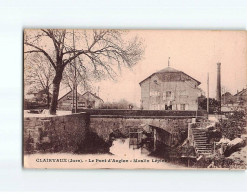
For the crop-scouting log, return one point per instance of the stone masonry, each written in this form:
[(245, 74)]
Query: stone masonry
[(54, 133)]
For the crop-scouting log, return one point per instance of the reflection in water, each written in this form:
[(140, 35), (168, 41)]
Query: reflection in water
[(122, 148), (121, 151)]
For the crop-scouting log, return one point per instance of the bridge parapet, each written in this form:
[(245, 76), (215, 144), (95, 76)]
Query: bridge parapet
[(142, 113)]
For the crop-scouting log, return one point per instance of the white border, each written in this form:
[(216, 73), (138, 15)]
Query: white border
[(140, 14)]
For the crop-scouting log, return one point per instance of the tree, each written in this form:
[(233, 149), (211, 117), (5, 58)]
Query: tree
[(104, 50), (38, 74), (121, 104), (214, 105), (82, 78)]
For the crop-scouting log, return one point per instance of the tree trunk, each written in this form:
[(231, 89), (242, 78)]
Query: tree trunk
[(56, 85)]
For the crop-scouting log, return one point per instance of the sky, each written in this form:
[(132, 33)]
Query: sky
[(194, 52)]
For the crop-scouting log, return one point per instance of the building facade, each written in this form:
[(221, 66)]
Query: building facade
[(235, 102), (87, 100), (241, 97), (39, 96), (170, 89)]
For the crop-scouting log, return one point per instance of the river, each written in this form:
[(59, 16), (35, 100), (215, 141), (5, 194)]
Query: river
[(121, 156)]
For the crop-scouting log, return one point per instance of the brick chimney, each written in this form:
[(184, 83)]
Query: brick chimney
[(218, 88)]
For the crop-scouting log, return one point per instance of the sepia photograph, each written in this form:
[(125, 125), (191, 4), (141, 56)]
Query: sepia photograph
[(134, 99)]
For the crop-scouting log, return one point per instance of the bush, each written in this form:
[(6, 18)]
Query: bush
[(234, 126)]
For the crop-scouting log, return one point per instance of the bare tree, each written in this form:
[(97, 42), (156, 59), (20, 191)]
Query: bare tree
[(105, 50), (77, 75), (38, 74)]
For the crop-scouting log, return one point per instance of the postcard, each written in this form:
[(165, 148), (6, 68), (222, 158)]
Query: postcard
[(134, 99)]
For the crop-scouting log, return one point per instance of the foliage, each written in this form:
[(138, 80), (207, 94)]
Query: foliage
[(102, 51), (38, 75), (234, 126), (77, 76), (213, 105), (122, 104)]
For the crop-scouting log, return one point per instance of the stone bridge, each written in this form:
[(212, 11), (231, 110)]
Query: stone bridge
[(66, 133), (171, 126)]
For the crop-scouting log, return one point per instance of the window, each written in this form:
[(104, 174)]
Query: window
[(71, 98), (154, 93), (182, 107), (168, 94), (81, 104), (168, 107), (65, 103), (71, 104)]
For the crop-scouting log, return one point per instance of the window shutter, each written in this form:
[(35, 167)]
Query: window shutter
[(172, 95), (186, 107), (164, 96)]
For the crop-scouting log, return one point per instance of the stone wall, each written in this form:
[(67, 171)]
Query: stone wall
[(103, 126), (54, 133)]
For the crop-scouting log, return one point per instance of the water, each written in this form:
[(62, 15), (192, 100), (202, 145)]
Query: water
[(123, 156), (121, 148)]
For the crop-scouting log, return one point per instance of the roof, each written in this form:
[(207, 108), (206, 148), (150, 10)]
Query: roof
[(241, 92), (80, 94), (170, 70), (66, 94), (227, 94), (92, 95)]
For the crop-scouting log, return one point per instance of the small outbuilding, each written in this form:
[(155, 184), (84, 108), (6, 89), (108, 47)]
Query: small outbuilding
[(87, 100)]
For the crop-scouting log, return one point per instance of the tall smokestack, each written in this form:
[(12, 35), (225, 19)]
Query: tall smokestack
[(218, 89)]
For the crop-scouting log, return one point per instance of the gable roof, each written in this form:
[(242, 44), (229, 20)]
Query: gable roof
[(227, 94), (241, 92), (92, 95), (67, 94), (81, 95), (170, 70)]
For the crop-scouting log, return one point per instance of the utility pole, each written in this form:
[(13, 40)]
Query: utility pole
[(208, 94), (218, 88), (75, 80)]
